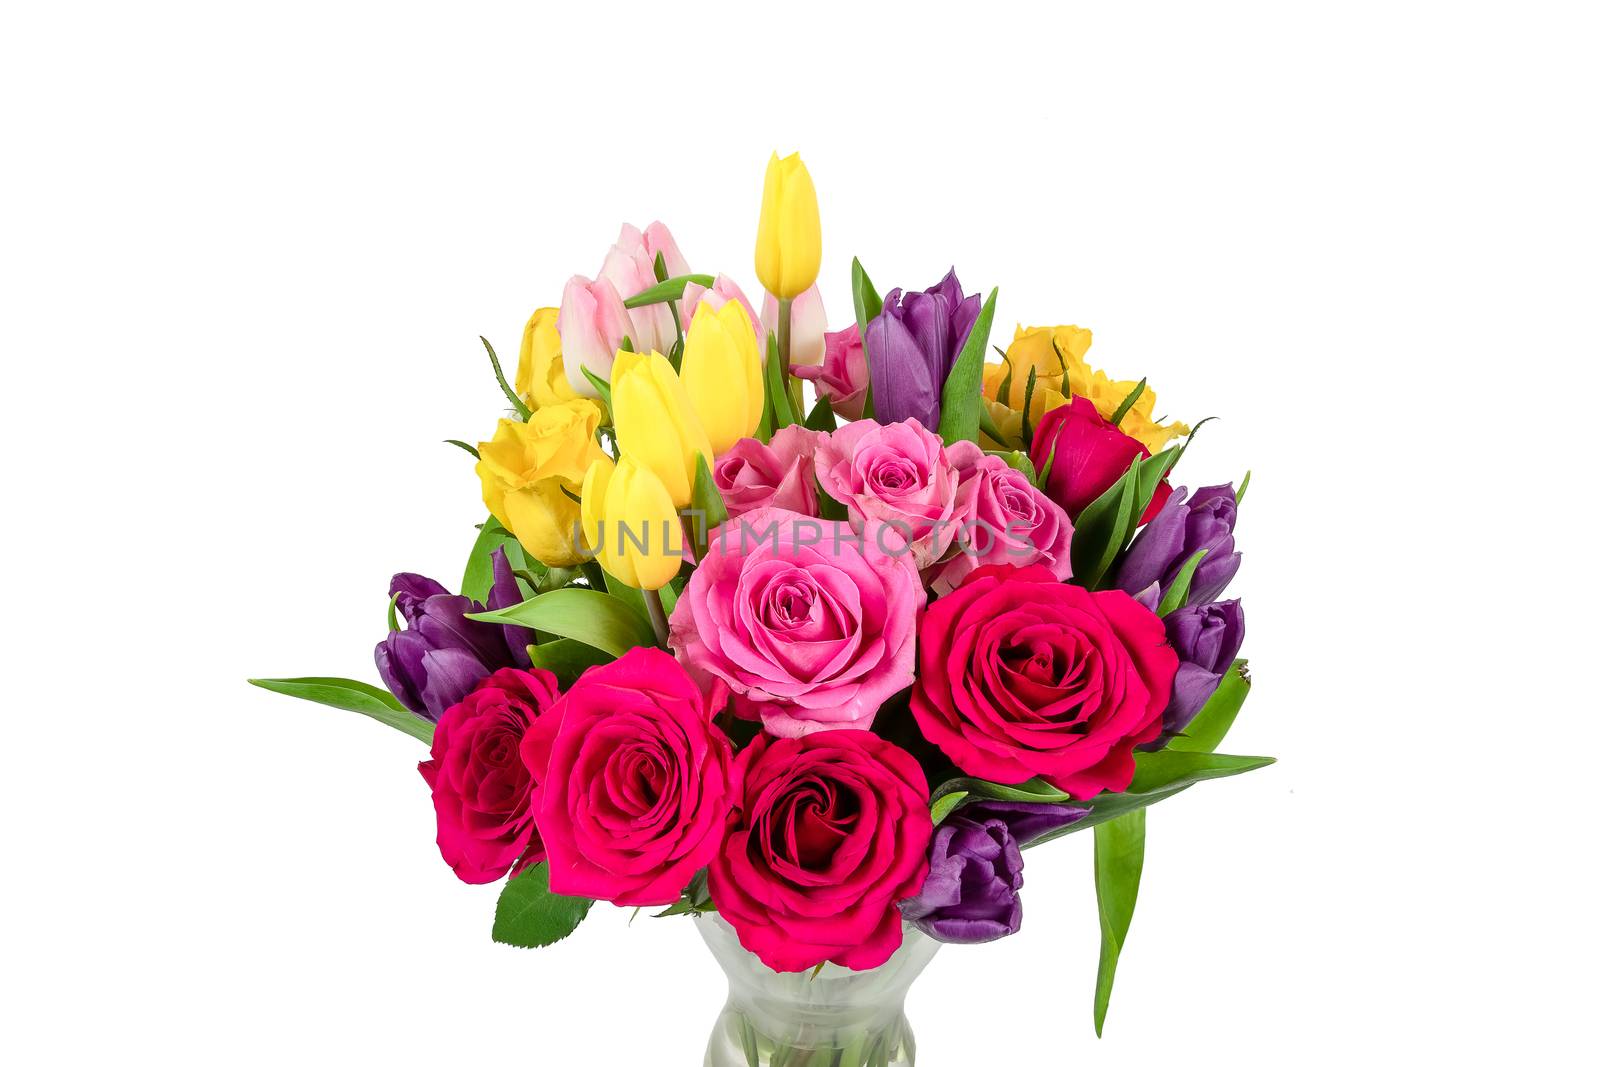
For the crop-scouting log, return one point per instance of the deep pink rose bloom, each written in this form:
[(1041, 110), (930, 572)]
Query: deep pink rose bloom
[(634, 785), (783, 474), (830, 833), (842, 375), (480, 786), (1012, 523), (1090, 455), (1022, 675), (810, 625), (903, 476)]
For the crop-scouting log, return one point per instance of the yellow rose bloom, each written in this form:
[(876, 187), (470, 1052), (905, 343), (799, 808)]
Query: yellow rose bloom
[(789, 236), (541, 377), (524, 469), (656, 424)]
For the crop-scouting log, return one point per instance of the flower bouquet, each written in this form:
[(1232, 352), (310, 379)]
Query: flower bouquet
[(815, 674)]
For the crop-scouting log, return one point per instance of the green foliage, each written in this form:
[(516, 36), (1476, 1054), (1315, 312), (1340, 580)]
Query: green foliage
[(597, 619), (1177, 593), (505, 387), (566, 658), (822, 418), (670, 289), (1105, 527), (350, 695), (778, 413), (707, 500), (963, 389), (1211, 725), (528, 915), (1118, 862)]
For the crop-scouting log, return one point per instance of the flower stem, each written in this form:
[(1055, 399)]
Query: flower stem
[(658, 614)]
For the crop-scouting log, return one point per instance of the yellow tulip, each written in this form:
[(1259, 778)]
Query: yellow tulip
[(630, 523), (722, 373), (541, 377), (525, 468), (789, 238), (656, 424)]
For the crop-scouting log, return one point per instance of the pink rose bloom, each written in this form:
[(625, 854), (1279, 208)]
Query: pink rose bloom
[(808, 323), (902, 476), (752, 475), (634, 781), (1012, 523), (481, 789), (724, 290), (842, 375), (808, 624), (830, 833), (630, 266)]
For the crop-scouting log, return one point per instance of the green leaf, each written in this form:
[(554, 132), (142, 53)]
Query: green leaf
[(1118, 862), (777, 389), (1206, 731), (1019, 461), (822, 418), (1177, 593), (601, 386), (473, 452), (505, 387), (946, 803), (350, 695), (1127, 403), (528, 915), (566, 658), (597, 619), (1101, 530), (1027, 407), (671, 289), (1238, 497), (987, 425), (963, 389), (868, 306), (1034, 789), (394, 620), (707, 504), (478, 578), (1004, 392)]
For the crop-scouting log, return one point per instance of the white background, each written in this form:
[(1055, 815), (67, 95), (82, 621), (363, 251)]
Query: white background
[(248, 250)]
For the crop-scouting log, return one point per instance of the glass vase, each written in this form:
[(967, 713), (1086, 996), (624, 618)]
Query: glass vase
[(834, 1017)]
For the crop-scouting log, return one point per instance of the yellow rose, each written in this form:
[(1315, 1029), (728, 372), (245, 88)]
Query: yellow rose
[(541, 378), (525, 469)]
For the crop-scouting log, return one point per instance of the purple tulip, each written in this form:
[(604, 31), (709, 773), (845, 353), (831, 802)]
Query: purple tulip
[(911, 347), (1179, 530), (1207, 638), (441, 655), (975, 869)]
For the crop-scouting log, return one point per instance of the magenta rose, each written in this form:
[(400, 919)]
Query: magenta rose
[(634, 785), (752, 475), (808, 624), (830, 833), (901, 475), (842, 376), (1022, 675), (1089, 454), (1012, 523), (481, 789)]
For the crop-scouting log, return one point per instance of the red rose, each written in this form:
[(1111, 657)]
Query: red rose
[(1090, 455), (480, 786), (634, 781), (1020, 675), (831, 832)]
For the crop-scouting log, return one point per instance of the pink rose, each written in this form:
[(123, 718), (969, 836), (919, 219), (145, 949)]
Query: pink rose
[(810, 625), (1012, 523), (842, 375), (723, 290), (901, 475), (634, 781), (481, 789), (830, 833), (1022, 675), (783, 474)]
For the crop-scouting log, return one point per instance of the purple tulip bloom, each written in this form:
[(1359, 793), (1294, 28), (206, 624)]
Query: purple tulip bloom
[(1179, 530), (441, 655), (1207, 638), (911, 347), (975, 869)]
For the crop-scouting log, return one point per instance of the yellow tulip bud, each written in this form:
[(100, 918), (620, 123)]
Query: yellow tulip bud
[(524, 469), (541, 377), (630, 523), (789, 238), (722, 373), (656, 425)]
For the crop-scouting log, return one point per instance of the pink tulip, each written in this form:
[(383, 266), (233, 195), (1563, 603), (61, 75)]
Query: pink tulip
[(630, 266), (592, 324), (724, 290), (807, 323)]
